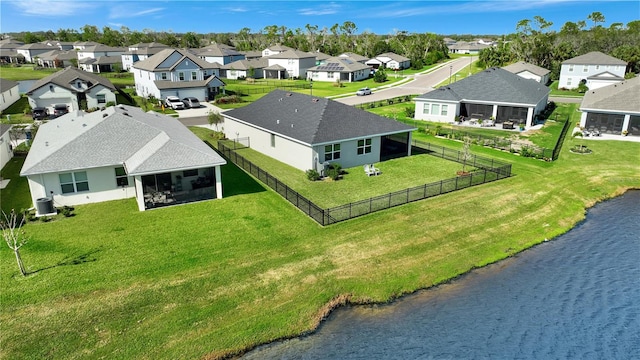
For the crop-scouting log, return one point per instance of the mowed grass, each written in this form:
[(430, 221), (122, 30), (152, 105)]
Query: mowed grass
[(355, 185), (215, 278)]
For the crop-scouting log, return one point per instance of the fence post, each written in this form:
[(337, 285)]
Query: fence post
[(424, 194), (457, 177), (370, 204), (407, 196)]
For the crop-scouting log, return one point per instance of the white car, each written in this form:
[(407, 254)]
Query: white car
[(174, 102), (363, 91)]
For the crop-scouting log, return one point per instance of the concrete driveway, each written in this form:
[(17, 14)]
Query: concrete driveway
[(416, 84), (193, 117)]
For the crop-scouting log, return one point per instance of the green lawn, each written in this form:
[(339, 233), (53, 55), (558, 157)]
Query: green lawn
[(214, 278), (563, 93), (355, 185)]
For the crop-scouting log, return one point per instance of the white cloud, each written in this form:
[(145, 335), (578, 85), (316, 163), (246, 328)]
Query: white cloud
[(51, 8), (128, 11), (321, 9)]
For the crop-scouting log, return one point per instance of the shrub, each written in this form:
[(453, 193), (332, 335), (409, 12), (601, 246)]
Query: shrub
[(334, 171), (312, 175), (67, 211), (410, 111)]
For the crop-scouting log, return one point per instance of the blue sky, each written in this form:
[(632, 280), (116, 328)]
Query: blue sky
[(381, 17)]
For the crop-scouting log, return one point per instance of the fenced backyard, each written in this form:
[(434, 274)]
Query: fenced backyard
[(483, 170)]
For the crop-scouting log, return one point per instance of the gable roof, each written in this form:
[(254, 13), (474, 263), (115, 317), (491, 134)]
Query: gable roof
[(246, 64), (211, 81), (354, 56), (6, 84), (153, 62), (145, 143), (279, 47), (64, 78), (58, 54), (595, 58), (101, 47), (292, 54), (521, 66), (340, 64), (102, 60), (491, 85), (313, 121), (622, 97), (393, 56), (216, 50), (4, 128)]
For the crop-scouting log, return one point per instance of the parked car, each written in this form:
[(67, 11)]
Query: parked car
[(191, 102), (60, 109), (40, 113), (174, 102), (364, 91)]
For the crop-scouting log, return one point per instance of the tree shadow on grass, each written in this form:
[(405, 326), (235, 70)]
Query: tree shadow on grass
[(78, 259)]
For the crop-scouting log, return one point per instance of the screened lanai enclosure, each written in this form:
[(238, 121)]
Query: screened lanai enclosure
[(178, 187)]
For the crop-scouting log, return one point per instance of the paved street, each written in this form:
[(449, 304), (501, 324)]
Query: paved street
[(416, 84)]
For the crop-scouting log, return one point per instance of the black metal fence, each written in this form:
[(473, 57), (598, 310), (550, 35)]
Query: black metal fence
[(486, 170), (563, 134), (261, 89)]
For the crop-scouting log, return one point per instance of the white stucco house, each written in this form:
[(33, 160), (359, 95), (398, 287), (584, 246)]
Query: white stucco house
[(342, 69), (389, 61), (529, 71), (595, 69), (96, 51), (138, 52), (613, 109), (353, 56), (289, 64), (467, 47), (245, 68), (32, 51), (176, 72), (493, 93), (9, 93), (71, 86), (118, 153), (309, 133), (6, 147), (218, 53), (57, 58)]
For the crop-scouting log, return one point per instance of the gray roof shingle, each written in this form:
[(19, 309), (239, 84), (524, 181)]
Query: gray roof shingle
[(521, 66), (119, 135), (6, 84), (493, 85), (153, 62), (595, 58), (65, 77), (621, 97), (313, 121)]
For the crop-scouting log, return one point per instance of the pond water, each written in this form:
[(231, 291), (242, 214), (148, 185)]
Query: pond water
[(575, 297)]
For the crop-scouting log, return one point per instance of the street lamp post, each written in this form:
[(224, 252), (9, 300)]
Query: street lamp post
[(311, 86), (450, 70)]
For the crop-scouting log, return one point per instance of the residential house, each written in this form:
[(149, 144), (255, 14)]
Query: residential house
[(118, 153), (341, 69), (140, 51), (320, 57), (463, 47), (96, 51), (594, 69), (10, 93), (72, 87), (529, 71), (81, 45), (32, 51), (174, 72), (275, 49), (613, 109), (251, 55), (57, 58), (242, 69), (101, 64), (309, 133), (493, 93), (9, 51), (289, 64), (389, 61), (6, 146), (353, 56), (218, 53), (60, 45)]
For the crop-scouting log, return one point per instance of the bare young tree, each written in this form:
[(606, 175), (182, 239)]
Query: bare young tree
[(14, 236)]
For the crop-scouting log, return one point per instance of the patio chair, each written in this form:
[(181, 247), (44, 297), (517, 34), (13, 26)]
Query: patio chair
[(370, 169)]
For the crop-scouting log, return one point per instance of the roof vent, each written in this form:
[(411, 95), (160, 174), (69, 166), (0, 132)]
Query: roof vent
[(280, 99), (296, 110), (126, 113), (84, 125), (46, 143), (277, 121), (315, 100), (292, 126), (105, 115), (289, 94)]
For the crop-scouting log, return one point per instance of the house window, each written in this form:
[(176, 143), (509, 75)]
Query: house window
[(74, 182), (364, 146), (332, 152), (585, 68), (273, 140), (444, 110), (571, 67), (194, 75), (425, 108), (163, 76), (101, 99), (568, 81), (330, 75), (435, 109), (121, 177), (597, 67), (181, 76), (50, 87)]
